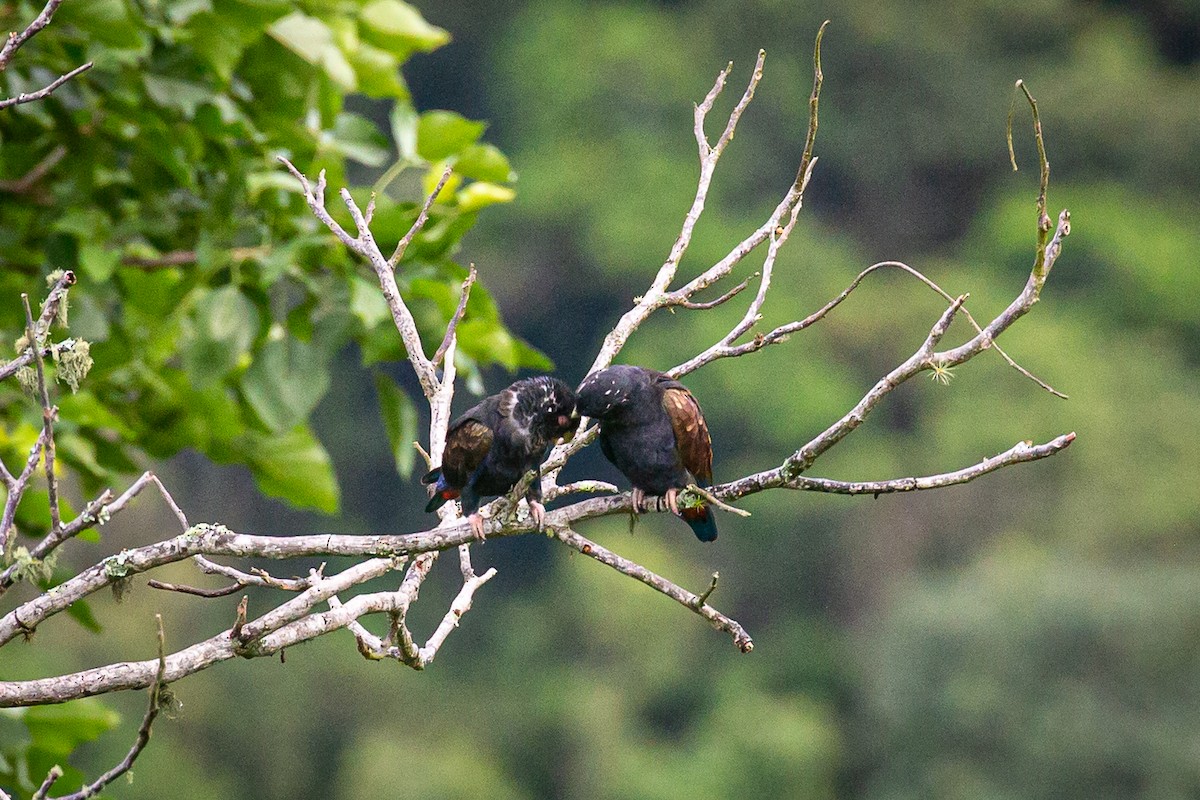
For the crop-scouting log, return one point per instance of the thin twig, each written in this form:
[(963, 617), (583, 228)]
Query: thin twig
[(239, 621), (452, 327), (180, 258), (714, 500), (233, 588), (17, 490), (707, 593), (732, 293), (52, 776), (741, 639), (153, 707), (45, 91), (424, 454), (781, 333), (49, 413), (1021, 452), (260, 577), (15, 40), (88, 518), (417, 225), (460, 605), (24, 183), (6, 477)]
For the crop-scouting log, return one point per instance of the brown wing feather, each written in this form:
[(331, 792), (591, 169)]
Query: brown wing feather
[(691, 433), (467, 444)]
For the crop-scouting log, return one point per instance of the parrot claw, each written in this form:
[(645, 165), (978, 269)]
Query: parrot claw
[(476, 522), (672, 502), (639, 498), (538, 512)]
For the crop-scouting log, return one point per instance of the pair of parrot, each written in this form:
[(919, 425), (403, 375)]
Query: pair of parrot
[(651, 429)]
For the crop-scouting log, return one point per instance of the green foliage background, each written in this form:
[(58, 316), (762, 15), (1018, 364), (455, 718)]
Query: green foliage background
[(1030, 635)]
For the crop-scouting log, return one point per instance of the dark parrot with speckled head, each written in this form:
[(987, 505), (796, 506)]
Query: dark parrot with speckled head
[(652, 430), (490, 447)]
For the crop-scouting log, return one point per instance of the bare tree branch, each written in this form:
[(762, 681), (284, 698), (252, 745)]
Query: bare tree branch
[(406, 240), (26, 182), (16, 490), (49, 414), (49, 311), (14, 43), (154, 707), (741, 639), (452, 328), (181, 258), (46, 91), (97, 512), (15, 40), (732, 293), (52, 776)]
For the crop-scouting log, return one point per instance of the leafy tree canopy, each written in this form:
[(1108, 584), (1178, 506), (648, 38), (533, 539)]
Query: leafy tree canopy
[(209, 301)]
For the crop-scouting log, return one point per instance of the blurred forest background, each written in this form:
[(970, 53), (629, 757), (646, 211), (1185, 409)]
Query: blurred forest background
[(1034, 634)]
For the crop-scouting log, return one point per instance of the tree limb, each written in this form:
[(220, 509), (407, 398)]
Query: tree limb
[(46, 91)]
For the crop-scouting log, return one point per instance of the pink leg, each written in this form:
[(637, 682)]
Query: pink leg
[(672, 503), (476, 522), (538, 512), (639, 498)]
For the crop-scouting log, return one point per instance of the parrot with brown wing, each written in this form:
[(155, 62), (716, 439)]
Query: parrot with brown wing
[(652, 430)]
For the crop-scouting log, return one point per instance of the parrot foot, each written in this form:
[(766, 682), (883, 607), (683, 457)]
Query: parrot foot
[(476, 522)]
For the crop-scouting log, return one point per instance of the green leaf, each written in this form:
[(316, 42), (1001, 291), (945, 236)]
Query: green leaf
[(399, 420), (399, 28), (85, 410), (107, 21), (358, 138), (294, 467), (484, 162), (306, 36), (223, 326), (378, 72), (210, 36), (285, 382), (33, 512), (58, 729), (257, 182), (404, 120), (80, 453), (181, 11), (83, 223), (183, 96), (481, 194), (156, 294), (486, 340), (367, 303), (97, 262), (81, 612), (338, 68), (444, 133)]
